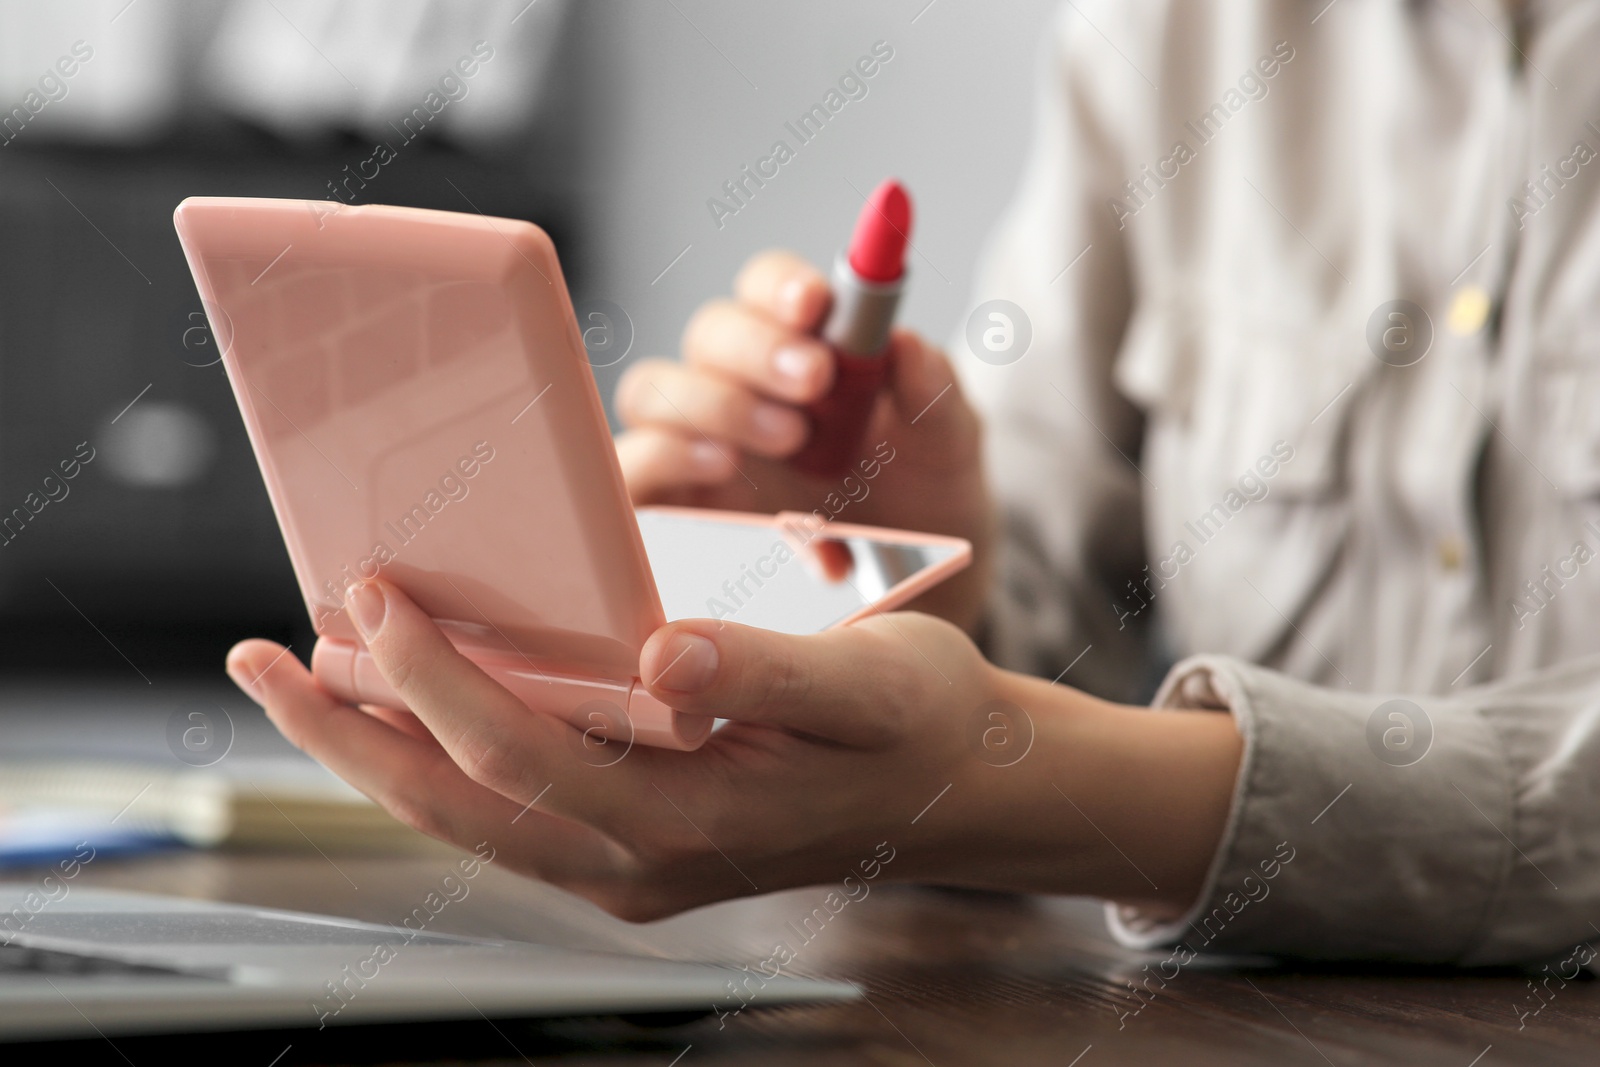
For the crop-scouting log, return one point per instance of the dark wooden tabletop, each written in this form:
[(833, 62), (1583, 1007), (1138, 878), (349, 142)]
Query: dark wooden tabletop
[(951, 978)]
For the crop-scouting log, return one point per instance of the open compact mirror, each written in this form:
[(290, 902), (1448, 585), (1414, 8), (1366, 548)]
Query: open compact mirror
[(391, 366), (791, 572)]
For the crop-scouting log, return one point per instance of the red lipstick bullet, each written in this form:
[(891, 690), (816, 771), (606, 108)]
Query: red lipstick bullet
[(867, 283)]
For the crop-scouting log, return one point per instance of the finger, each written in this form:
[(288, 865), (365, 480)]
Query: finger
[(708, 405), (414, 781), (926, 393), (403, 721), (786, 287), (496, 739), (658, 462), (249, 661), (840, 684), (746, 344), (247, 673)]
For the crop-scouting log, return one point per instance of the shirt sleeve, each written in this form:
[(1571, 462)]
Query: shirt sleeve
[(1036, 354), (1459, 829)]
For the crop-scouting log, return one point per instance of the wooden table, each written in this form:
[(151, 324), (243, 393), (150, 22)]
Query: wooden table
[(951, 978)]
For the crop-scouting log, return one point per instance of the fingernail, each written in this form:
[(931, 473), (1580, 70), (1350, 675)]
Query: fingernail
[(691, 663), (367, 608), (797, 363), (707, 457), (244, 676), (792, 297), (772, 423)]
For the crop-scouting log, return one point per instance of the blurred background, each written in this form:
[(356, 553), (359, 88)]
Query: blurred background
[(614, 124)]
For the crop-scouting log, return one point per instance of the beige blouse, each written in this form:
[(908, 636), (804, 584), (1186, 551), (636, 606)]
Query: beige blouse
[(1310, 394)]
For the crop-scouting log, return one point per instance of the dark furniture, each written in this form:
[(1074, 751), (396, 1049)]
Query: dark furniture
[(164, 541)]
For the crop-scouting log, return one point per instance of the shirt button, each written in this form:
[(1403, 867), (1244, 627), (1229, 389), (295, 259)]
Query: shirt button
[(1452, 553), (1469, 310)]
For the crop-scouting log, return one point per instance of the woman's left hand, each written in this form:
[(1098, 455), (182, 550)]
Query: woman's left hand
[(845, 746)]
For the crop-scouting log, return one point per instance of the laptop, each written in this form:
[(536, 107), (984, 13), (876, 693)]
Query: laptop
[(98, 963)]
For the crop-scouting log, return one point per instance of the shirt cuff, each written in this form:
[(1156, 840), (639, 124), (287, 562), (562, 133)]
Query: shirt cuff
[(1334, 848)]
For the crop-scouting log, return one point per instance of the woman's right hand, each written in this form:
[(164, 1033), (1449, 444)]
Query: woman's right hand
[(717, 430)]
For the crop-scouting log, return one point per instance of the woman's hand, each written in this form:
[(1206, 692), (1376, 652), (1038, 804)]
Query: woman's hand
[(873, 740), (717, 429)]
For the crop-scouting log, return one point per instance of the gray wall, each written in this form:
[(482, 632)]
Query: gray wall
[(673, 114)]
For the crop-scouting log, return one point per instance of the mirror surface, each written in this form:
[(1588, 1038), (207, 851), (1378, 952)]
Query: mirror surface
[(784, 577)]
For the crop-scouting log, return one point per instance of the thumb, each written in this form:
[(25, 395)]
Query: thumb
[(927, 396), (839, 684)]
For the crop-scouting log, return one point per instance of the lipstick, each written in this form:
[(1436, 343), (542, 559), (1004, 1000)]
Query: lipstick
[(867, 282)]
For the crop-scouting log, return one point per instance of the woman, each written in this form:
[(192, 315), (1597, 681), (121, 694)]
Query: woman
[(1308, 400)]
